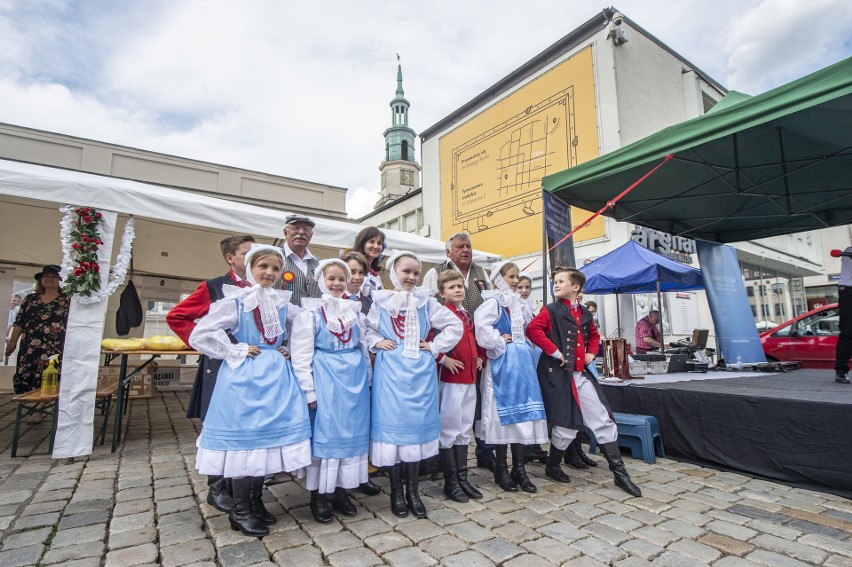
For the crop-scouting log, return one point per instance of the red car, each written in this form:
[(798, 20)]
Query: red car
[(810, 338)]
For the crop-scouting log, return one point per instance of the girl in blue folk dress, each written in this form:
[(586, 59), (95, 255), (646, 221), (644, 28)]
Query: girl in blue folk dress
[(405, 424), (257, 423), (331, 361), (512, 407)]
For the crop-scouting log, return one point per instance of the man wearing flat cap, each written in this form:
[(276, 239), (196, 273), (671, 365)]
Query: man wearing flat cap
[(299, 265)]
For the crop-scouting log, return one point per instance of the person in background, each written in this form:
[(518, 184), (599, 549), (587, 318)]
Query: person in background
[(14, 307), (844, 341), (40, 327), (648, 333), (359, 268), (299, 264), (371, 243), (181, 320), (460, 257)]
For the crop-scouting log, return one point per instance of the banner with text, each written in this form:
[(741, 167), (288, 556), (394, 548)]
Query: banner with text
[(557, 223), (726, 294)]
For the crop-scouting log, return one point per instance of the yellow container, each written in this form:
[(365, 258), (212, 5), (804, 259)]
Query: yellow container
[(50, 380)]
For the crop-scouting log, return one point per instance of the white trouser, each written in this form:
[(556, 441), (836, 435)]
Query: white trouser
[(457, 406), (595, 416)]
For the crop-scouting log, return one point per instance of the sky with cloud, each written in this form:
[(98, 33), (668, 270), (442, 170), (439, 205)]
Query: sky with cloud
[(302, 90)]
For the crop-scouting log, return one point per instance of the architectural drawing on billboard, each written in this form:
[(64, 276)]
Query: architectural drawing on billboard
[(501, 168)]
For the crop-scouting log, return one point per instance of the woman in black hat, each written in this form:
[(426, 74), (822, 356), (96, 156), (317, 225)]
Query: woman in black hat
[(41, 322)]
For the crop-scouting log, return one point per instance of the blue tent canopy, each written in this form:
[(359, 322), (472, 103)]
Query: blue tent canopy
[(632, 268)]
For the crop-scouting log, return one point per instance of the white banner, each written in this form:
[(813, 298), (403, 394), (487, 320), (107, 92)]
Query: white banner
[(80, 361)]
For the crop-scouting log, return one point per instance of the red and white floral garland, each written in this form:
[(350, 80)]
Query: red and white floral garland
[(80, 273)]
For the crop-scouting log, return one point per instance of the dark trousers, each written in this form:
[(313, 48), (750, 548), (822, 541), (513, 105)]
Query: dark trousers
[(484, 451), (844, 341)]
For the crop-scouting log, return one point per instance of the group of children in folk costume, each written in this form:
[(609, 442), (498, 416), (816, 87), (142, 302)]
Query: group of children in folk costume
[(320, 418)]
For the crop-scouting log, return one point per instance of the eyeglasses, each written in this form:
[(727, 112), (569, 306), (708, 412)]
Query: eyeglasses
[(301, 228)]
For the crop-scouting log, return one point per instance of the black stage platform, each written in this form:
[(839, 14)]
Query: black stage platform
[(794, 427)]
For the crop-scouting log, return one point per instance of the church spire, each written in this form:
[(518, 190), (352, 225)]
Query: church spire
[(400, 171), (399, 92)]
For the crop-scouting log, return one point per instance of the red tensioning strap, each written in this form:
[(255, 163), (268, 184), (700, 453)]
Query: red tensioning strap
[(609, 205)]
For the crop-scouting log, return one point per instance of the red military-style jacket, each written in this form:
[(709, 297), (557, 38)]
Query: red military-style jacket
[(466, 351)]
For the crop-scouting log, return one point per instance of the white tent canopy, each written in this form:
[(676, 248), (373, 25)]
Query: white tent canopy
[(146, 200), (176, 235)]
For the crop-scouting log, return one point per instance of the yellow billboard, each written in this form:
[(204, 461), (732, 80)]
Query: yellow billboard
[(492, 165)]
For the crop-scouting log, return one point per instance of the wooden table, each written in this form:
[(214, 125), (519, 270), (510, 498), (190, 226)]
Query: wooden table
[(34, 402), (123, 378)]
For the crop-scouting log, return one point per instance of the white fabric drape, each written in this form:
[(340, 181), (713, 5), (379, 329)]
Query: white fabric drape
[(81, 361)]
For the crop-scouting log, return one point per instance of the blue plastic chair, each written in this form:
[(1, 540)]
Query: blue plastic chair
[(639, 433)]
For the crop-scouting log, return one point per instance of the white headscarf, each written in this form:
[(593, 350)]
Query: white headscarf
[(266, 300), (398, 301), (510, 299), (340, 314)]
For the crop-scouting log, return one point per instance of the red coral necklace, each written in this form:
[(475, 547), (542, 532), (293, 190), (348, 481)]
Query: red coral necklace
[(398, 324), (344, 336), (258, 322)]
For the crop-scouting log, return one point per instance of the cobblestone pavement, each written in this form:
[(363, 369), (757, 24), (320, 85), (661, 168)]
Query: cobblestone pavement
[(140, 506)]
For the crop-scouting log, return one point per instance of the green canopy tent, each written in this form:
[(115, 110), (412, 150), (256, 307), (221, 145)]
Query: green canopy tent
[(752, 167)]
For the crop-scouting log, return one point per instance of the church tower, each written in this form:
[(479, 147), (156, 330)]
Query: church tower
[(400, 171)]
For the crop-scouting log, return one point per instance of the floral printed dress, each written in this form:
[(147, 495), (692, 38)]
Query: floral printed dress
[(43, 335)]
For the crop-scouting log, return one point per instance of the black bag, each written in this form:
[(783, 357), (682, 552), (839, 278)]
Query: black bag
[(129, 312)]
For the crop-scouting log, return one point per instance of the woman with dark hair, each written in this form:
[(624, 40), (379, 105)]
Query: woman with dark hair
[(41, 322), (371, 243)]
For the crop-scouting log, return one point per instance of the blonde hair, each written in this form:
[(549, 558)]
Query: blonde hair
[(255, 258), (446, 277)]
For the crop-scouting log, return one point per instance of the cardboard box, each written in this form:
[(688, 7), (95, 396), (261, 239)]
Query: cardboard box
[(142, 383)]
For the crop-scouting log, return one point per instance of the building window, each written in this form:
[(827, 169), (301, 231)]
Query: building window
[(405, 150)]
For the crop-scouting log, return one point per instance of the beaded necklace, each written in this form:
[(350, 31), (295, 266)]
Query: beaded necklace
[(344, 336), (398, 324), (259, 324)]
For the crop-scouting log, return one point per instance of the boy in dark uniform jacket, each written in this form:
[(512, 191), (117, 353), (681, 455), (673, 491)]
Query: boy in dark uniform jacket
[(566, 334), (181, 320)]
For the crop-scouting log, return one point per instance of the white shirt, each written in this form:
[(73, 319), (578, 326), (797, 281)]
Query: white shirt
[(430, 280), (301, 263), (845, 269)]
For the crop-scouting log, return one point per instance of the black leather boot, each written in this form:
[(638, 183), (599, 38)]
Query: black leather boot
[(583, 437), (519, 472), (241, 517), (398, 507), (412, 494), (257, 507), (553, 469), (501, 469), (342, 503), (451, 480), (461, 471), (572, 457), (319, 508), (370, 488), (218, 495), (622, 480)]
